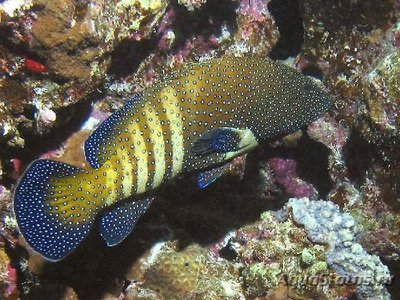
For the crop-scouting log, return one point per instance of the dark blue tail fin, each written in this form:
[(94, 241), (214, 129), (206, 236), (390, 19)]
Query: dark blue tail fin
[(44, 212)]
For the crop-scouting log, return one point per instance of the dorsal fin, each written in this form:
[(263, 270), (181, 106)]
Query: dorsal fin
[(95, 145)]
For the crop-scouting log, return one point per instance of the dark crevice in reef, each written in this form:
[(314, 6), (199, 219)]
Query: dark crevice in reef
[(72, 118), (359, 156), (313, 71), (127, 56), (205, 22), (288, 18), (312, 163), (205, 216), (9, 45), (393, 286), (363, 156), (228, 253)]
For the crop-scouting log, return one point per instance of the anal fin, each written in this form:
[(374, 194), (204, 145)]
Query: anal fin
[(118, 222)]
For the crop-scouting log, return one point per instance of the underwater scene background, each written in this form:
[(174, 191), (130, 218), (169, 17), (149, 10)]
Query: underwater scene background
[(311, 215)]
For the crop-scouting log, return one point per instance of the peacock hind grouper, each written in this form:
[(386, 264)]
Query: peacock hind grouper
[(198, 119)]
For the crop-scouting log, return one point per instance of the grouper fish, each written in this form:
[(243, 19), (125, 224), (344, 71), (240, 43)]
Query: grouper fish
[(195, 120)]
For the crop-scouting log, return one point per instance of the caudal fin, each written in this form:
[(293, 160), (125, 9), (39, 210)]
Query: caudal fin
[(52, 216)]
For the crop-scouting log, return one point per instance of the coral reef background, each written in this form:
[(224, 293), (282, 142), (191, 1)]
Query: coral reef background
[(261, 231)]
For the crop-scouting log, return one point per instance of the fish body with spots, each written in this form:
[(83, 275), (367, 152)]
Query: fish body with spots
[(197, 119)]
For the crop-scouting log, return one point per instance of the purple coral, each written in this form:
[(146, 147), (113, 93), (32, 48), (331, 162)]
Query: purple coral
[(286, 176)]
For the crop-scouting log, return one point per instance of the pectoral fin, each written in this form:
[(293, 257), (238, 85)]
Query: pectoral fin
[(206, 178), (118, 222), (225, 140)]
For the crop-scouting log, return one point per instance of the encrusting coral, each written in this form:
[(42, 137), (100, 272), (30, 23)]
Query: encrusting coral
[(325, 224)]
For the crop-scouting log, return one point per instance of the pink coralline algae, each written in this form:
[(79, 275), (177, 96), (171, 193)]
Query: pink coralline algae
[(256, 12), (45, 119), (257, 32), (286, 176), (327, 131), (334, 136)]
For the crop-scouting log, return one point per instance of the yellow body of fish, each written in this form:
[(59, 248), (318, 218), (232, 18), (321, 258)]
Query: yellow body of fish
[(195, 120)]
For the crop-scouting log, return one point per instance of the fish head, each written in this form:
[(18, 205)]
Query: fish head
[(285, 101), (314, 94)]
